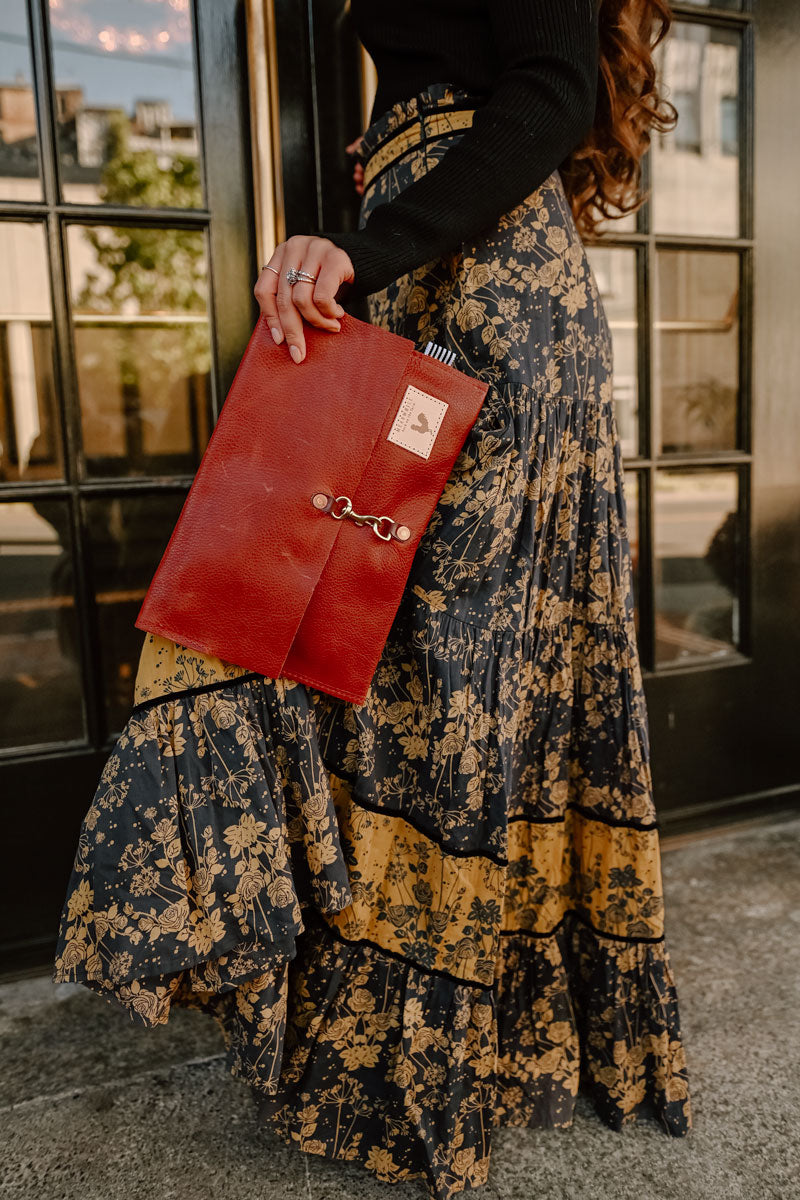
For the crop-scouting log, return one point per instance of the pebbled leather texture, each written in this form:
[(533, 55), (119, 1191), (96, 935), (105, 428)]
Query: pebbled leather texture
[(253, 572)]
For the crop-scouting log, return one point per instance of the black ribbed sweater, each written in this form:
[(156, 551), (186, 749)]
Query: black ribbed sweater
[(533, 62)]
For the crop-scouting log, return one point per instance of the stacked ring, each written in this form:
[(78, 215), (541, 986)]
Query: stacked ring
[(293, 275), (299, 276)]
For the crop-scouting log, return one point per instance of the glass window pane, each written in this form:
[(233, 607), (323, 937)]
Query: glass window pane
[(697, 348), (40, 685), (615, 272), (127, 536), (142, 347), (631, 485), (30, 438), (19, 144), (697, 540), (126, 102), (614, 225), (696, 165)]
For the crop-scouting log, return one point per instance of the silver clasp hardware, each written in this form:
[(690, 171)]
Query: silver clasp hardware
[(340, 507)]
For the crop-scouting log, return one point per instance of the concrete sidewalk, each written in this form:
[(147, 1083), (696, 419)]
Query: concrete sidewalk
[(92, 1108)]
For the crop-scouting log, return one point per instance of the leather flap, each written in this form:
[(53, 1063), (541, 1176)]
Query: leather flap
[(345, 626), (249, 547)]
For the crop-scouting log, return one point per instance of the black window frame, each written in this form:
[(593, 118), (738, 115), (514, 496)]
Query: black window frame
[(646, 242), (221, 89)]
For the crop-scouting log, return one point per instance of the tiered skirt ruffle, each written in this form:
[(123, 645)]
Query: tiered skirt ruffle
[(389, 999)]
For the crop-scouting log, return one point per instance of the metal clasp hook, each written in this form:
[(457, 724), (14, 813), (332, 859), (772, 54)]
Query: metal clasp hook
[(329, 504)]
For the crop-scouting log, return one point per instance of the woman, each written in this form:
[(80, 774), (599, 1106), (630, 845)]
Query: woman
[(440, 911)]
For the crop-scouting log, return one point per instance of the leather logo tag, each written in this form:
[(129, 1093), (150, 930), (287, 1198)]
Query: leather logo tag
[(418, 421)]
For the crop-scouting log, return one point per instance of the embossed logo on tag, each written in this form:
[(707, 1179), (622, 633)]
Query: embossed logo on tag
[(418, 421)]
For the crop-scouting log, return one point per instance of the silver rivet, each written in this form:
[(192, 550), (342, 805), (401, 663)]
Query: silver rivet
[(402, 533), (319, 500)]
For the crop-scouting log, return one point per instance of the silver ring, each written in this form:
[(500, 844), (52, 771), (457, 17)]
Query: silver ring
[(294, 275), (267, 267)]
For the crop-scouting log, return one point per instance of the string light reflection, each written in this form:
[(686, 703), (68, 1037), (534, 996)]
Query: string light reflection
[(168, 29)]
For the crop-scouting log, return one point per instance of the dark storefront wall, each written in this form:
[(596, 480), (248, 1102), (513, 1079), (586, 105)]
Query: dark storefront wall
[(124, 394), (125, 236), (723, 732)]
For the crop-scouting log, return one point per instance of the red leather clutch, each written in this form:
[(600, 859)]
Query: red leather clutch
[(295, 542)]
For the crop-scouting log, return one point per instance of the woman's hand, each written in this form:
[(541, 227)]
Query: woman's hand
[(285, 305)]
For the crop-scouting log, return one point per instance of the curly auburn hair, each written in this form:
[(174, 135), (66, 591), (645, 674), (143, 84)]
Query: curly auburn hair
[(602, 175)]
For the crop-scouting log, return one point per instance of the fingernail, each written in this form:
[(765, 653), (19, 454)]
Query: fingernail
[(337, 327), (296, 353), (277, 334), (339, 310)]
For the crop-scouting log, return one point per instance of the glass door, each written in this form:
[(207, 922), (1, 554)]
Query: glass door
[(679, 285), (125, 302)]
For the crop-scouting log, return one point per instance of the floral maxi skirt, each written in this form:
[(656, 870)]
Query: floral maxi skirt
[(440, 911)]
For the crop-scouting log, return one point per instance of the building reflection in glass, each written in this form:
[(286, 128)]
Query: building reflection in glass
[(697, 544), (40, 685), (126, 102), (142, 348), (697, 351), (127, 536), (631, 485), (696, 165), (19, 145), (30, 441), (615, 272)]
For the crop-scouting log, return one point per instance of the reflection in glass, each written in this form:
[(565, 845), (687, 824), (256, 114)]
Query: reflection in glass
[(126, 102), (40, 686), (697, 536), (697, 366), (19, 146), (142, 348), (696, 165), (30, 446), (613, 225), (127, 536), (615, 272), (631, 490)]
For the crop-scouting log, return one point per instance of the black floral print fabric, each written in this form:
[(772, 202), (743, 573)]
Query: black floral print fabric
[(441, 911)]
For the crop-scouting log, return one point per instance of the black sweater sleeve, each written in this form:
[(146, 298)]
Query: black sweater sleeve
[(541, 106)]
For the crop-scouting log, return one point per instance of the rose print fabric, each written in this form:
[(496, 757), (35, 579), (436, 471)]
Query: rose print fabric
[(441, 911)]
